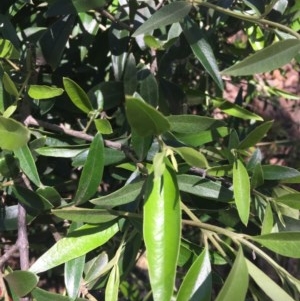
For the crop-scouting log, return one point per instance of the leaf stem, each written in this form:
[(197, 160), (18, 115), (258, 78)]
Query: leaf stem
[(252, 19)]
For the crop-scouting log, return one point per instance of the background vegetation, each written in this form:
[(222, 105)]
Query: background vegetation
[(118, 143)]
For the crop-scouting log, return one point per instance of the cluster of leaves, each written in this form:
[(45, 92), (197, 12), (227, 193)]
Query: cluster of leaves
[(99, 141)]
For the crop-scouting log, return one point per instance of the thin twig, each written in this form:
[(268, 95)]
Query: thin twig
[(109, 16)]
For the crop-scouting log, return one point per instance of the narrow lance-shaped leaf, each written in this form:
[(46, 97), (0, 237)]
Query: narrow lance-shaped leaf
[(236, 284), (112, 286), (197, 284), (79, 242), (77, 95), (144, 119), (168, 14), (161, 226), (241, 188), (267, 59), (9, 85), (91, 175), (283, 243), (202, 49), (277, 172), (12, 134)]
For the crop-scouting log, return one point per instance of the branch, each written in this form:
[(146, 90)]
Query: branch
[(8, 254)]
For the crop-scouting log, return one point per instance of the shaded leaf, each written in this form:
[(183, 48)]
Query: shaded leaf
[(267, 59), (124, 195), (283, 243), (161, 227), (12, 134), (241, 188), (44, 92), (268, 221), (21, 282), (77, 95), (77, 243), (168, 14), (197, 283), (236, 284), (42, 295), (277, 172), (144, 119)]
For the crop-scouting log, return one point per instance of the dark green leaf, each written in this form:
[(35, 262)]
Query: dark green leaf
[(144, 119), (77, 95), (124, 195), (236, 284), (277, 172), (91, 216), (241, 188), (256, 135), (77, 243), (197, 283), (284, 243), (27, 164), (148, 89), (168, 14), (204, 188), (12, 134), (267, 59), (202, 49), (42, 295), (21, 282), (50, 194), (9, 166), (161, 227), (130, 75)]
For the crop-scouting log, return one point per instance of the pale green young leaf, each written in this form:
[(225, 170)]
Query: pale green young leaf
[(112, 286), (236, 284), (267, 59), (77, 243), (91, 174), (103, 126), (197, 283), (241, 188), (268, 220), (162, 227), (168, 14), (12, 134), (291, 200), (283, 243), (191, 156), (43, 91), (77, 95)]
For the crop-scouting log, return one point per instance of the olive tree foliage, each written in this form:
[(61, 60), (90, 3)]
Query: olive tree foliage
[(111, 149)]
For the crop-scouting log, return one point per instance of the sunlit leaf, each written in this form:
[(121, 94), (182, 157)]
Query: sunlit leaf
[(168, 14), (192, 157), (12, 134), (7, 50), (267, 59), (268, 221), (77, 243), (241, 188), (161, 227), (112, 286), (103, 126), (236, 284), (43, 91), (292, 200), (197, 283), (9, 85)]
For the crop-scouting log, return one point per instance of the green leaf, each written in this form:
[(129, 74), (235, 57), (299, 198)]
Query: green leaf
[(268, 221), (77, 95), (202, 49), (83, 5), (267, 59), (148, 89), (73, 272), (140, 145), (235, 110), (256, 135), (27, 164), (9, 85), (21, 282), (12, 134), (77, 243), (7, 50), (50, 194), (283, 243), (61, 151), (292, 200), (257, 178), (236, 284), (112, 286), (204, 188), (9, 166), (266, 284), (103, 126), (162, 227), (91, 216), (191, 157), (277, 172), (91, 175), (192, 124), (44, 92), (241, 188), (130, 75), (197, 283), (168, 14), (144, 119), (124, 195), (42, 295), (95, 267)]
